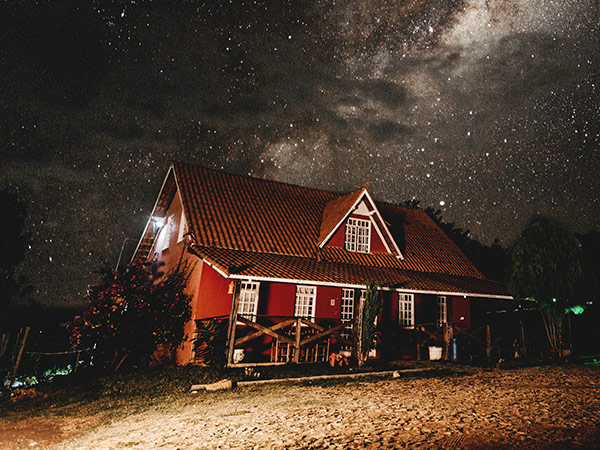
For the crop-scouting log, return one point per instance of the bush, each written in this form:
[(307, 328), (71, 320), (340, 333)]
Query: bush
[(131, 314)]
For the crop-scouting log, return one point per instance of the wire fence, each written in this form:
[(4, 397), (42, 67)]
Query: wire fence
[(29, 356)]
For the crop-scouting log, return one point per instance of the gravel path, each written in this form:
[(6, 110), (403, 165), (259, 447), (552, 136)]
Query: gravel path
[(526, 408)]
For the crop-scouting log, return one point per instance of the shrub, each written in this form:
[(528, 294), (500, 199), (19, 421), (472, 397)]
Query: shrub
[(130, 314)]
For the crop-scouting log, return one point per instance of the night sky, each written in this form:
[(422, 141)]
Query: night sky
[(488, 110)]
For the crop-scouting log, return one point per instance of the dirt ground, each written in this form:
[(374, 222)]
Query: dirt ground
[(539, 407)]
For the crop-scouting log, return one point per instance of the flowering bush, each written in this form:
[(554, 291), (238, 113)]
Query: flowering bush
[(131, 314)]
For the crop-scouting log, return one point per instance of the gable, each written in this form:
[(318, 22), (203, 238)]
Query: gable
[(377, 244), (360, 205)]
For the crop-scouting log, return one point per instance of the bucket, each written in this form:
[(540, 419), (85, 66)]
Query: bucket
[(435, 353)]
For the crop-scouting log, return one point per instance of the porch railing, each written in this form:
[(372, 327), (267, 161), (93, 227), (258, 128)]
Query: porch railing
[(283, 339), (293, 339)]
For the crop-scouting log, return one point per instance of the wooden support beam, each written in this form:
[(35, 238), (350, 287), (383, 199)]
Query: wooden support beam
[(471, 335), (448, 334), (259, 333), (312, 325), (327, 332), (232, 322), (297, 341), (263, 330)]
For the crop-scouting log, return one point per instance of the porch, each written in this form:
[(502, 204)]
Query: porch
[(270, 340)]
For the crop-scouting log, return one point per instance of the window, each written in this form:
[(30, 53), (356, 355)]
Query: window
[(443, 309), (305, 302), (166, 232), (347, 305), (406, 316), (248, 300), (358, 235), (183, 228)]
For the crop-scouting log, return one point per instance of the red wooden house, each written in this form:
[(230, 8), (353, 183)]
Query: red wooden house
[(285, 266)]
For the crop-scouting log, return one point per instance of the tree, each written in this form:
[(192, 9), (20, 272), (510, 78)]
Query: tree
[(131, 315), (13, 244), (364, 331), (547, 267)]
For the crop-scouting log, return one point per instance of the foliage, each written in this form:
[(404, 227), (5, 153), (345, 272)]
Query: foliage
[(13, 243), (211, 342), (364, 333), (131, 315), (547, 267), (590, 246)]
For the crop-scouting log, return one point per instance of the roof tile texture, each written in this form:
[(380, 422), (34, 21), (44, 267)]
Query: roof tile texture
[(255, 215)]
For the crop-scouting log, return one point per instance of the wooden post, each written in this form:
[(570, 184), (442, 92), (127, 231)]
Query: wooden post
[(447, 338), (359, 333), (521, 324), (232, 322), (418, 344), (19, 356), (488, 341), (76, 361), (297, 343)]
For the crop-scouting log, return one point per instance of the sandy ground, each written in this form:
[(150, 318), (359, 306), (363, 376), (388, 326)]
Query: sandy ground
[(549, 407)]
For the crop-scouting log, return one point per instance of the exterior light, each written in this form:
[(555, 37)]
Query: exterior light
[(158, 222)]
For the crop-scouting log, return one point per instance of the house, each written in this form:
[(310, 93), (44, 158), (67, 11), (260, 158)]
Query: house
[(283, 267)]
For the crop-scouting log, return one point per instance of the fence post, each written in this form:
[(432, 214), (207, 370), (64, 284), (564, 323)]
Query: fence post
[(19, 356), (297, 342), (76, 361)]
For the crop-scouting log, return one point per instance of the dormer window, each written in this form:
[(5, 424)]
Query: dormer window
[(358, 235)]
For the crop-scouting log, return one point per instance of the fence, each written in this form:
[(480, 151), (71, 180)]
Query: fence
[(30, 355)]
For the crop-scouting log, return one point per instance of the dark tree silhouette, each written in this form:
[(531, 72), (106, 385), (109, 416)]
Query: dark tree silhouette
[(547, 267), (13, 243)]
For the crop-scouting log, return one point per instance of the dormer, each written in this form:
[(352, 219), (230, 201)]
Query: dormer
[(353, 222)]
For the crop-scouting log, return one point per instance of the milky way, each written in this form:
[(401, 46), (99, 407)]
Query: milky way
[(488, 110)]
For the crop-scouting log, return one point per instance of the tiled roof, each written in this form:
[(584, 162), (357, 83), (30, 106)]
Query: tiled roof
[(274, 229), (264, 265), (335, 210), (245, 213)]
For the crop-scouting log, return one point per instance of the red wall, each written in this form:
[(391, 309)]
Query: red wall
[(277, 299), (325, 295), (460, 311), (213, 299), (339, 238)]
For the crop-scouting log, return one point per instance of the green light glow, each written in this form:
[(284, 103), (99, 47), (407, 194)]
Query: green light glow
[(577, 309)]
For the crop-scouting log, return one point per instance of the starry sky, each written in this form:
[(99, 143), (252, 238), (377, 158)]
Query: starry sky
[(488, 110)]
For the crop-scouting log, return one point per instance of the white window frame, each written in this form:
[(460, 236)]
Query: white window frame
[(406, 310), (183, 228), (358, 235), (347, 304), (166, 232), (306, 301), (248, 300), (442, 302)]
